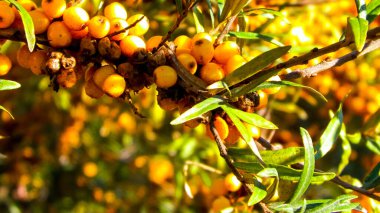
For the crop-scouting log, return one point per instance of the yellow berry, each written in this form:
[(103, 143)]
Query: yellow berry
[(5, 64), (75, 18), (153, 42), (53, 8), (131, 44), (114, 85), (116, 26), (225, 51), (232, 183), (183, 44), (233, 63), (211, 73), (200, 36), (7, 15), (38, 61), (221, 127), (189, 62), (98, 26), (115, 10), (203, 51), (90, 169), (141, 27), (40, 21), (165, 76), (58, 35), (102, 73)]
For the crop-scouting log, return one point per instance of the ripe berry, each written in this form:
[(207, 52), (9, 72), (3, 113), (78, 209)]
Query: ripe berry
[(115, 10), (211, 73), (221, 127), (263, 100), (131, 44), (233, 63), (233, 135), (78, 34), (92, 90), (189, 62), (117, 25), (141, 27), (232, 183), (203, 51), (23, 55), (200, 36), (183, 44), (165, 76), (102, 73), (40, 21), (7, 15), (253, 130), (98, 26), (5, 64), (53, 8), (75, 18), (225, 51), (273, 90), (38, 61), (58, 35), (114, 85), (153, 42)]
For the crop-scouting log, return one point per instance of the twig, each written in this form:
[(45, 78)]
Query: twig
[(225, 30), (346, 185), (127, 97), (325, 65), (265, 143), (200, 165), (180, 18), (126, 28)]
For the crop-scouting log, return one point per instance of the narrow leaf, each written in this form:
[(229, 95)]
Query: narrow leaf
[(211, 13), (28, 24), (335, 205), (346, 150), (255, 65), (308, 169), (284, 172), (357, 29), (231, 8), (258, 194), (373, 10), (255, 36), (330, 134), (287, 156), (372, 122), (198, 19), (8, 84), (2, 108), (373, 145), (198, 109), (373, 178), (254, 119)]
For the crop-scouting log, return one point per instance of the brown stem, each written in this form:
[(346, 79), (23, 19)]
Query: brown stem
[(346, 185), (225, 30), (126, 28)]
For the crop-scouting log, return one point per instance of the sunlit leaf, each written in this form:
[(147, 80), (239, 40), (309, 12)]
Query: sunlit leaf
[(330, 134), (346, 150), (188, 190), (8, 84), (296, 206), (308, 169), (254, 119), (264, 11), (341, 203), (373, 178), (2, 108), (373, 145), (372, 122), (198, 20), (258, 194), (284, 172), (198, 109), (231, 8), (274, 84), (254, 36), (357, 29), (373, 10), (28, 24), (285, 156)]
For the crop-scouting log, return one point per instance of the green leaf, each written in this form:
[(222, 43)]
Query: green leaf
[(8, 85), (373, 10), (341, 203), (287, 156), (346, 150), (211, 13), (284, 172), (372, 122), (2, 108), (253, 118), (289, 107), (198, 109), (296, 206), (258, 194), (265, 12), (373, 145), (255, 65), (28, 24), (231, 8), (273, 84), (308, 169), (178, 4), (198, 20), (361, 8), (254, 36), (330, 134), (373, 178), (357, 29)]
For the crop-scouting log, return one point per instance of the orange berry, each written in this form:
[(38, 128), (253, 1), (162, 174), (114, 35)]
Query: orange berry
[(23, 55), (53, 8), (273, 90), (225, 51), (211, 73), (117, 25), (78, 34), (115, 10), (183, 44), (189, 62), (153, 42), (221, 127), (232, 183), (203, 51), (58, 35), (5, 64), (141, 27), (38, 61), (219, 204), (165, 76), (167, 104), (254, 131), (263, 100), (233, 63), (102, 73), (200, 36), (233, 135), (75, 18), (131, 44), (98, 26), (114, 85), (40, 21), (7, 15), (90, 169), (92, 90)]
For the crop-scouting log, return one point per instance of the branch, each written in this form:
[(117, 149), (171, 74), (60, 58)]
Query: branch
[(225, 30), (325, 65)]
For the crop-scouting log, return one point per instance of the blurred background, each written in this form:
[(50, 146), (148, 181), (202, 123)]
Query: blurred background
[(66, 152)]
